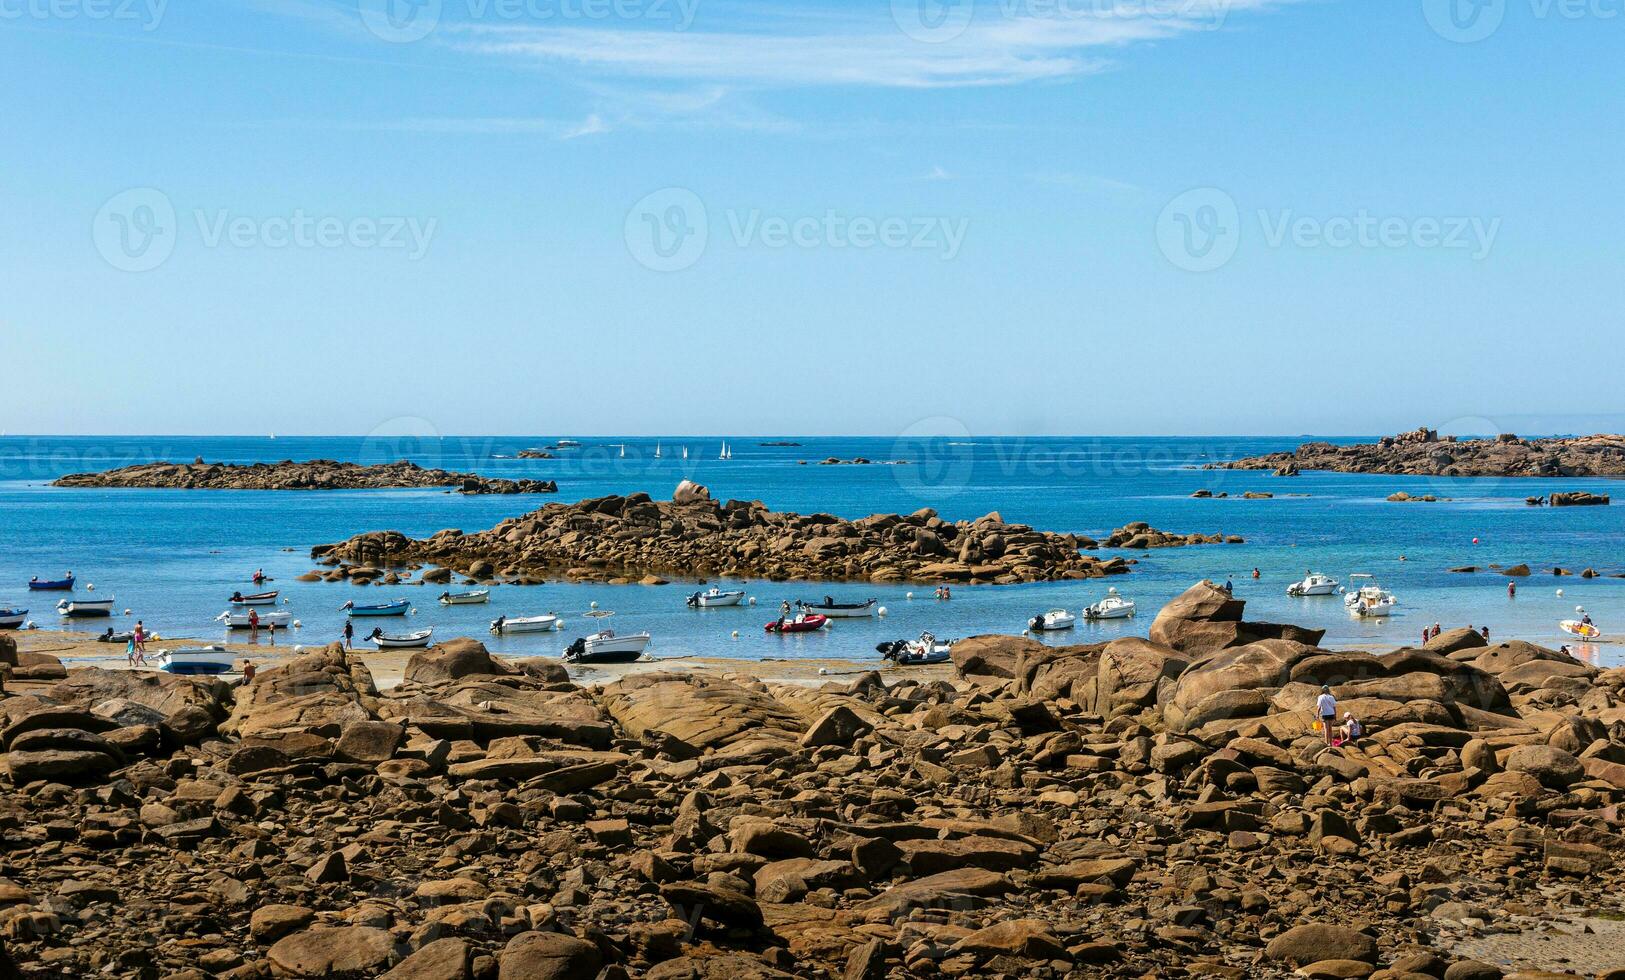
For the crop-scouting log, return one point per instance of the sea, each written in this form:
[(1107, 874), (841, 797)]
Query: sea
[(171, 558)]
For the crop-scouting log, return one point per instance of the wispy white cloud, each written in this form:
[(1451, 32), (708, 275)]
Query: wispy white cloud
[(590, 126), (937, 173)]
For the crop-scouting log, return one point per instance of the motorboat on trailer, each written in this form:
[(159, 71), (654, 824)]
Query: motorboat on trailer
[(60, 585), (473, 598), (803, 623), (607, 647), (80, 608), (840, 610), (1114, 606), (911, 653), (1313, 583), (504, 625), (395, 608), (406, 641), (716, 597), (11, 619), (1370, 599), (258, 599), (195, 660), (1052, 621), (237, 619)]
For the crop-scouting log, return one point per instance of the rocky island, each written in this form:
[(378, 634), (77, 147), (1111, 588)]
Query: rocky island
[(1424, 453), (315, 474), (1143, 807)]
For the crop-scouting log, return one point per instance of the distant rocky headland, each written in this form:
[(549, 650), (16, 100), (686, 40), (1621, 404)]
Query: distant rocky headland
[(315, 474), (1424, 453), (635, 537)]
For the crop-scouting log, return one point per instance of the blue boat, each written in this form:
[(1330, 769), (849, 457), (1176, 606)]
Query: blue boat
[(11, 619), (396, 608), (61, 585)]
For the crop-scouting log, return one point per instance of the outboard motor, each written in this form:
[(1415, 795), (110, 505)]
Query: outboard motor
[(576, 649), (694, 600), (889, 651), (1036, 624)]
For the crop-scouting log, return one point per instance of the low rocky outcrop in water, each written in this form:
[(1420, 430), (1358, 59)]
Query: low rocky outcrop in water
[(1578, 498), (1424, 453), (315, 474), (628, 538), (1140, 535), (1134, 808)]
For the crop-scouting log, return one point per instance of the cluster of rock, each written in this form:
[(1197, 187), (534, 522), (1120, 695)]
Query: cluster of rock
[(1206, 494), (1578, 498), (1140, 535), (859, 461), (621, 539), (1423, 454), (1136, 808), (315, 474), (1401, 497)]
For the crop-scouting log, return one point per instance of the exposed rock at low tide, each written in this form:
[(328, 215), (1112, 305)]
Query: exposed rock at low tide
[(315, 474), (1132, 808), (625, 539), (1424, 453)]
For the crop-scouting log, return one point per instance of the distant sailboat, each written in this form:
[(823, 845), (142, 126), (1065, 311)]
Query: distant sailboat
[(657, 450), (726, 452), (685, 452), (623, 450)]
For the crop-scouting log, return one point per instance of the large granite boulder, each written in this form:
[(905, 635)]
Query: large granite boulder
[(315, 693), (1205, 618), (452, 660)]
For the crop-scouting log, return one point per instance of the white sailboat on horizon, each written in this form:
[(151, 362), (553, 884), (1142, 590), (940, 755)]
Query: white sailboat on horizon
[(657, 450)]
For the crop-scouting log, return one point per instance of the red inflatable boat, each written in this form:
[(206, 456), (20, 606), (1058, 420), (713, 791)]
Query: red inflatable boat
[(801, 624)]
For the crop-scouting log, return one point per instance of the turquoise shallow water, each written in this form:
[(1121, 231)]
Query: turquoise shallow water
[(172, 557)]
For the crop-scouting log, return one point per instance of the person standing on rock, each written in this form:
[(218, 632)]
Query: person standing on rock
[(1326, 707)]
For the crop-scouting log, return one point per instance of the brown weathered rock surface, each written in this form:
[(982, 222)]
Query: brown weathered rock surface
[(1423, 453), (315, 474)]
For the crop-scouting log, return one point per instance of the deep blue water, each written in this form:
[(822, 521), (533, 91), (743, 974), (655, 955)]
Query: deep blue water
[(172, 557)]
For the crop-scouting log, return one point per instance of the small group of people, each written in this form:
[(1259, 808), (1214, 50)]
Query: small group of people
[(135, 648), (944, 593), (1432, 632), (1326, 710)]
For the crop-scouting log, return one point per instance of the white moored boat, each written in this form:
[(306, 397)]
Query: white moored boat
[(274, 619), (406, 641), (926, 650), (839, 610), (716, 597), (11, 619), (195, 660), (1114, 606), (76, 608), (607, 647), (1369, 599), (1055, 619), (1313, 583), (257, 599), (504, 625), (473, 598)]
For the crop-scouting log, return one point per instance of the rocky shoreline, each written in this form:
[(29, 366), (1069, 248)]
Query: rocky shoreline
[(1423, 453), (635, 538), (1144, 807), (315, 474)]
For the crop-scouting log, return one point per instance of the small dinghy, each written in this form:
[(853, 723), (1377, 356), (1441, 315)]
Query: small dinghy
[(715, 597), (78, 609), (112, 637), (504, 625), (258, 599), (195, 660), (11, 619), (60, 585), (803, 623), (607, 647), (279, 619), (1313, 583), (474, 598), (910, 653), (839, 610), (1052, 621), (396, 608), (1114, 606), (408, 641)]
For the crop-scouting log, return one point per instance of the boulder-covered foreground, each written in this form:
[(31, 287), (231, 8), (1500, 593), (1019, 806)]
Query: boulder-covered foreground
[(1145, 807), (633, 537)]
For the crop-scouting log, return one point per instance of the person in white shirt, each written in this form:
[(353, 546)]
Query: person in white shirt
[(1351, 728), (1326, 707)]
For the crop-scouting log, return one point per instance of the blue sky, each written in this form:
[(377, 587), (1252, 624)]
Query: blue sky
[(652, 216)]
